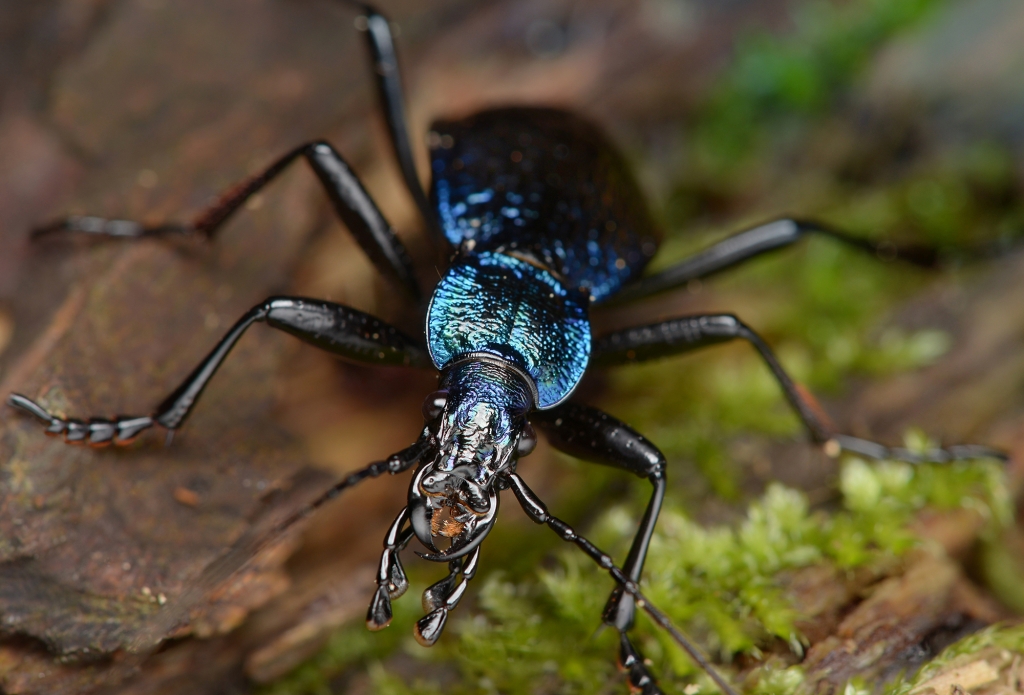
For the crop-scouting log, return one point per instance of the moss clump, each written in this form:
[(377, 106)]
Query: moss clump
[(777, 82), (541, 633), (985, 662), (719, 583)]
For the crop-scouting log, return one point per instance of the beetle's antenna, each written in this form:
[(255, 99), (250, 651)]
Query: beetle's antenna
[(666, 624), (257, 539), (537, 511), (630, 587)]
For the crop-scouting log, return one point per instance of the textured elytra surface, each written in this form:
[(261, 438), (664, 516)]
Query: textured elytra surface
[(555, 188)]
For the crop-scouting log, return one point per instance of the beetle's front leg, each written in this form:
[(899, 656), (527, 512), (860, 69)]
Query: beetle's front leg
[(640, 679), (595, 436)]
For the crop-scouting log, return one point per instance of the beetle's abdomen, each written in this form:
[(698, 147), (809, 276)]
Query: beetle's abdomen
[(504, 306), (546, 183)]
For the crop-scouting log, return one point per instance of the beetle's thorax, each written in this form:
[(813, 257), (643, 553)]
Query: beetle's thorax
[(520, 313)]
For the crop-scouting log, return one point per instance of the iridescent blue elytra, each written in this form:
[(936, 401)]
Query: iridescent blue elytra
[(546, 220)]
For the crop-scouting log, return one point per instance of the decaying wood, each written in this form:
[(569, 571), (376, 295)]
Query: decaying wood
[(146, 109)]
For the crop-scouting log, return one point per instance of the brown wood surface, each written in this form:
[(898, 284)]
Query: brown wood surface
[(146, 109)]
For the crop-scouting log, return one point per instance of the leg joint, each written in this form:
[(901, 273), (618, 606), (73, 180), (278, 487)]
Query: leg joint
[(723, 325), (657, 471), (319, 147)]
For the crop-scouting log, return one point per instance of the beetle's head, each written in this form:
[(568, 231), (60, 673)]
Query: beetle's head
[(479, 417)]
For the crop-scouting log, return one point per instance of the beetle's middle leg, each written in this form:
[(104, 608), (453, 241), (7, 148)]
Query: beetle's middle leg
[(336, 328), (593, 435), (688, 333), (350, 200)]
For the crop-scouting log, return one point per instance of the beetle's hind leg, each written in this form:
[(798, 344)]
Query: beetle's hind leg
[(688, 333), (762, 239), (350, 200), (388, 76), (338, 329)]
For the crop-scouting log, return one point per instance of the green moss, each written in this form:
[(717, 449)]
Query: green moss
[(773, 680), (1002, 644), (353, 647), (541, 634), (774, 80), (385, 683), (1001, 567)]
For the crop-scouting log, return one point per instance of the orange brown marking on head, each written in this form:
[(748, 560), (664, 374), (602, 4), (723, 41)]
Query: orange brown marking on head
[(442, 523)]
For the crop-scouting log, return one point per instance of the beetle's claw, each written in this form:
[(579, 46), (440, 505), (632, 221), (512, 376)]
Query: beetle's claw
[(16, 400)]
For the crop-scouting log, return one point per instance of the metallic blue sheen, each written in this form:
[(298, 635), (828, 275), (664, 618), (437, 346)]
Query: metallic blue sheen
[(502, 305), (481, 420), (548, 185)]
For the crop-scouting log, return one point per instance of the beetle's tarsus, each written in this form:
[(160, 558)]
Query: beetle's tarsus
[(16, 400), (632, 662), (947, 454), (96, 432)]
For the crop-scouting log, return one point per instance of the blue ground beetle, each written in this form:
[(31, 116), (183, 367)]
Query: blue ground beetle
[(543, 221)]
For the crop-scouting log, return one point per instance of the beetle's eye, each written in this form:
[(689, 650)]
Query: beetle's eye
[(527, 441), (434, 404)]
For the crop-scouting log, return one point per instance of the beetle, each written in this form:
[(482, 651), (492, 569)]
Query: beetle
[(544, 222)]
